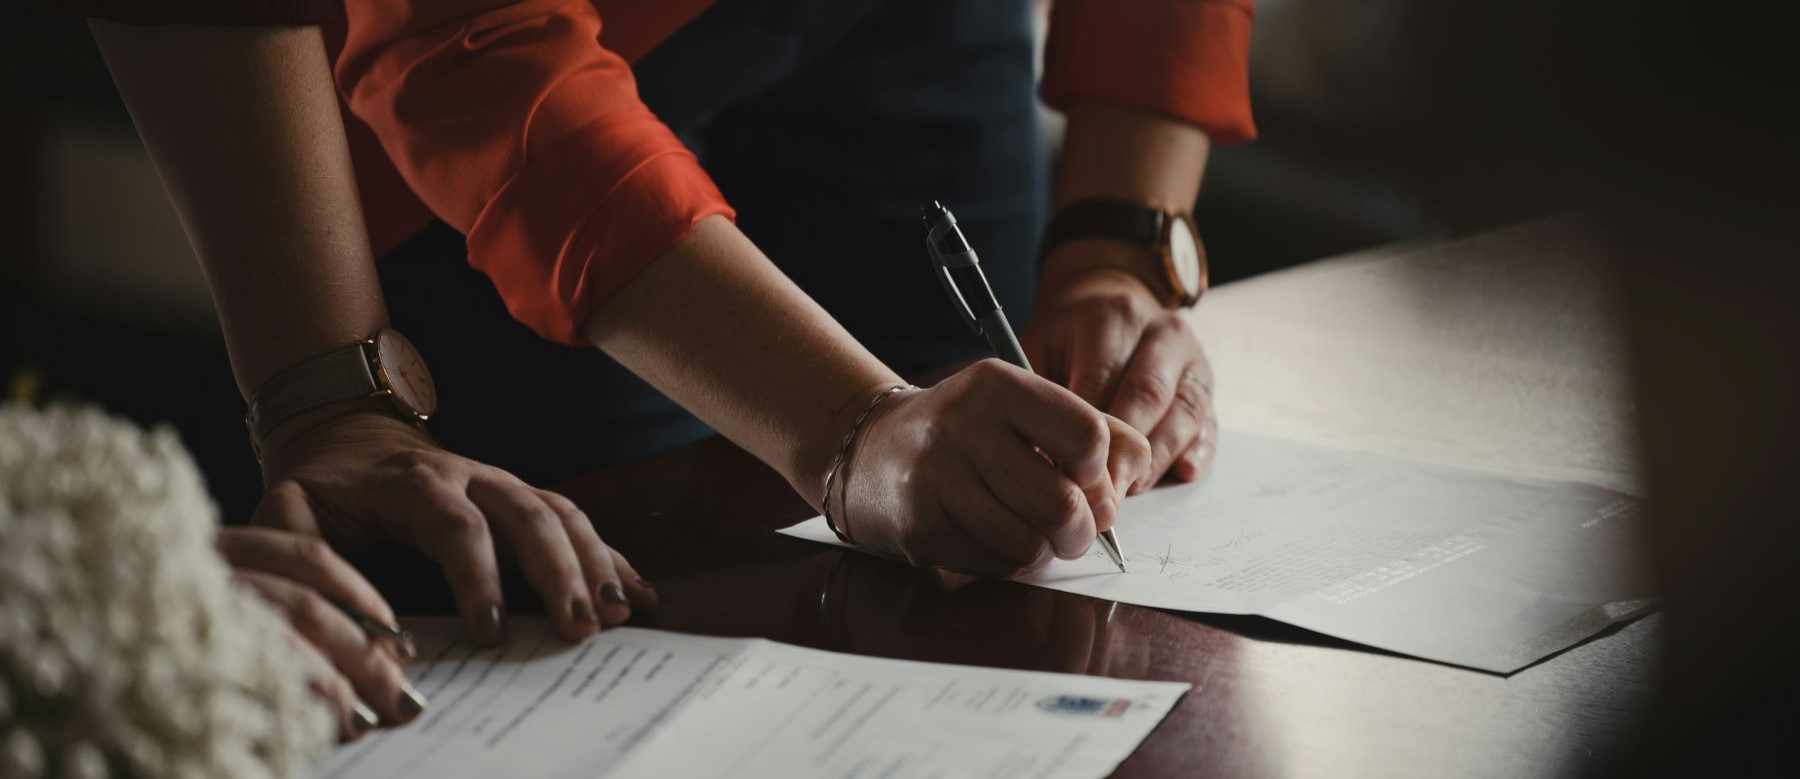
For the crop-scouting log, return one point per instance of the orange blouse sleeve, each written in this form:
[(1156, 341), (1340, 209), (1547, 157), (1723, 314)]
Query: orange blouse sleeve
[(1187, 59), (516, 127)]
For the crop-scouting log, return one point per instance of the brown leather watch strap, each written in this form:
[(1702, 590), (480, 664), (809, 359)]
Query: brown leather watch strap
[(1105, 217)]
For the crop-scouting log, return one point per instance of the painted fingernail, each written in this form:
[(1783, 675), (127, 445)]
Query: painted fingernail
[(611, 592), (490, 626), (646, 586), (362, 718), (583, 611), (411, 703)]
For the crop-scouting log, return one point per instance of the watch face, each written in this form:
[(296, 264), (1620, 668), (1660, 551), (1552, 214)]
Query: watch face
[(1186, 257), (405, 375)]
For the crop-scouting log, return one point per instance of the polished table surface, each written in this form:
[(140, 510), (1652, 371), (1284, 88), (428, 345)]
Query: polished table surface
[(1499, 352)]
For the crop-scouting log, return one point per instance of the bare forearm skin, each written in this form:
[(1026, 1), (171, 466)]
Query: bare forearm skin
[(243, 125), (717, 327), (1111, 151)]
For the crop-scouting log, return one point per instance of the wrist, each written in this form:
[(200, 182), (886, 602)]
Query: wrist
[(813, 464), (1098, 262)]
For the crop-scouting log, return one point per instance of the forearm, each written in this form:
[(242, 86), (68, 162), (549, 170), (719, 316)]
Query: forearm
[(1112, 151), (718, 328), (243, 125)]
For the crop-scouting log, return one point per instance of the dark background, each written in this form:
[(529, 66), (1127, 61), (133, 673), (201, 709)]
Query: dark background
[(102, 302), (1382, 121)]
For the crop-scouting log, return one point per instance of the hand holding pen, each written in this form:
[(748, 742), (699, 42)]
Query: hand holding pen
[(957, 266), (336, 614), (993, 471)]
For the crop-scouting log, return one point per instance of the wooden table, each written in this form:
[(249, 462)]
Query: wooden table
[(1499, 352)]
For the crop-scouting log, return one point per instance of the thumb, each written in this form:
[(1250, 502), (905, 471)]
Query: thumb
[(285, 507)]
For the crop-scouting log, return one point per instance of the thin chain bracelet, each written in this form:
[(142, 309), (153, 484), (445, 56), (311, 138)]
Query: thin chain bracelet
[(837, 463)]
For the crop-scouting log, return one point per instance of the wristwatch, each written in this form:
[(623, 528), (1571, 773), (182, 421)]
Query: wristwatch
[(1168, 236), (384, 365)]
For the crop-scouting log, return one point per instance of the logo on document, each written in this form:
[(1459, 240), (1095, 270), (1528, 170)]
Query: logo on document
[(1084, 706)]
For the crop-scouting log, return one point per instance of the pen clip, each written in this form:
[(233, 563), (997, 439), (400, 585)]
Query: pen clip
[(941, 263)]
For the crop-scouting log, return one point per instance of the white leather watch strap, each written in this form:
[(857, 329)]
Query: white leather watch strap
[(342, 374)]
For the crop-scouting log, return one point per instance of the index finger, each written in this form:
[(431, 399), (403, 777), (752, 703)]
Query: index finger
[(1129, 458), (304, 559), (449, 529), (1061, 424), (1152, 378)]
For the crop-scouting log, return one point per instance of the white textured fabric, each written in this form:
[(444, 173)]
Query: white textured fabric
[(125, 648), (1503, 352)]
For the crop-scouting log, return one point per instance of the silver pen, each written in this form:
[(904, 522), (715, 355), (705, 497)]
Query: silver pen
[(959, 270)]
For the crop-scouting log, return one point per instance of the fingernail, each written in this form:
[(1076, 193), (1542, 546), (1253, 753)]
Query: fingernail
[(583, 611), (611, 592), (490, 626), (646, 586), (411, 703), (362, 718)]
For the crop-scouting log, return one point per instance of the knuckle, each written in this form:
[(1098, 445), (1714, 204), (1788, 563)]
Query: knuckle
[(539, 515), (1093, 384), (286, 489), (309, 612), (312, 552), (561, 503), (1165, 323), (1148, 388), (933, 429), (1190, 399), (990, 369), (415, 474), (463, 527), (1067, 511), (1162, 452), (1120, 307), (1092, 433)]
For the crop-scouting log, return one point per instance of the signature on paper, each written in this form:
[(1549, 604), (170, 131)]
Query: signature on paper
[(1172, 563)]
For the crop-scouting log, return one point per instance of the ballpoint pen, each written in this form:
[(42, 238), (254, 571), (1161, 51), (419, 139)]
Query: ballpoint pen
[(959, 270)]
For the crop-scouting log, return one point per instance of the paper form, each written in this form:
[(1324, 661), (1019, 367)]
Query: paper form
[(1459, 566), (633, 702)]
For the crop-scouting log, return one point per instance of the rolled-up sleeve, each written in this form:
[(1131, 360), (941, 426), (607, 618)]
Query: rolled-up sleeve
[(516, 127), (1186, 59)]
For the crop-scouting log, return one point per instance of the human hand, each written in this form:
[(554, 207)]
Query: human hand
[(1101, 332), (992, 471), (356, 478), (302, 578)]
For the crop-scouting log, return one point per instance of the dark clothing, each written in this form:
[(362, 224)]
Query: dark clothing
[(827, 125)]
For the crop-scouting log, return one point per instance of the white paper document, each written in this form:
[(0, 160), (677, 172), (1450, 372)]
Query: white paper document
[(1463, 567), (633, 702)]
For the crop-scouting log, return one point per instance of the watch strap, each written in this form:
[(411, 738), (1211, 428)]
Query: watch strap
[(338, 375), (1105, 217)]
